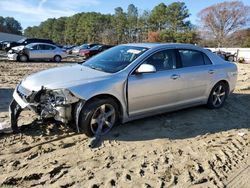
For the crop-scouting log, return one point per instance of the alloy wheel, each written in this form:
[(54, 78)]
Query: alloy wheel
[(103, 119), (219, 95)]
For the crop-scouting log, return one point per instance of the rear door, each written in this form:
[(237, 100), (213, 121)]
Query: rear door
[(48, 51), (196, 73)]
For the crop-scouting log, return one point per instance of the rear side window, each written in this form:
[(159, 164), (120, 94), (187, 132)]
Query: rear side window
[(47, 47), (190, 58)]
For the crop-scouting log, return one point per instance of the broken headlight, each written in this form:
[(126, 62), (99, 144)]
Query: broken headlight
[(58, 97)]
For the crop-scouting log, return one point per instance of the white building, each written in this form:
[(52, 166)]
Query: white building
[(10, 37)]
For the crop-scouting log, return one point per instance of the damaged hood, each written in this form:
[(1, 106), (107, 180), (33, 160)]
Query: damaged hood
[(18, 48), (63, 77)]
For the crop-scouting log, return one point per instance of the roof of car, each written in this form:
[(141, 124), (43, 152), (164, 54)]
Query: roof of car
[(36, 43), (155, 45)]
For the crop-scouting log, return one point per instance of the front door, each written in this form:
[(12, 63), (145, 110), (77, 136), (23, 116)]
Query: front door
[(154, 91), (35, 52)]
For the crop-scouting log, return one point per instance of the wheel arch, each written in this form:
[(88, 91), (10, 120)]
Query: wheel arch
[(58, 55), (105, 96), (225, 82)]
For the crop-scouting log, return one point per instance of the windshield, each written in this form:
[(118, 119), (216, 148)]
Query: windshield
[(84, 46), (96, 47), (29, 46), (115, 59)]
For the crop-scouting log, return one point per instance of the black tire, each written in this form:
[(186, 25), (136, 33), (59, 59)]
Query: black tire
[(88, 112), (23, 58), (57, 58), (220, 90)]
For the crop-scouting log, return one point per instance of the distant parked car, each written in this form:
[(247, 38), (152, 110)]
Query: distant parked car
[(24, 42), (77, 49), (3, 44), (69, 48), (37, 51), (87, 53)]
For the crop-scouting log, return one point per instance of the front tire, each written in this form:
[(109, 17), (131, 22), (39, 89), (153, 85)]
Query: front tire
[(23, 58), (98, 117), (218, 95)]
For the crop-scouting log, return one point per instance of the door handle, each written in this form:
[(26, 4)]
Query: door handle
[(175, 76), (211, 71)]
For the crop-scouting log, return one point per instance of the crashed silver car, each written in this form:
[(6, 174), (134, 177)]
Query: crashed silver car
[(124, 83)]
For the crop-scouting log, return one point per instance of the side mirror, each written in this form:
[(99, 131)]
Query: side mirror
[(145, 68)]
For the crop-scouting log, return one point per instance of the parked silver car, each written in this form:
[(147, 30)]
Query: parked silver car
[(37, 51), (124, 83)]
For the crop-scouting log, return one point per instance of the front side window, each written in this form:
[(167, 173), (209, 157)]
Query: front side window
[(190, 58), (115, 59), (32, 47), (163, 60), (97, 47)]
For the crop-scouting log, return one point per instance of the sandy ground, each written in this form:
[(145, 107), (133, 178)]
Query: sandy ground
[(194, 147)]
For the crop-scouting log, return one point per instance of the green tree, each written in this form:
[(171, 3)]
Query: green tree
[(58, 28), (132, 19), (158, 17), (10, 25), (71, 31), (143, 26), (176, 15), (31, 32), (119, 23)]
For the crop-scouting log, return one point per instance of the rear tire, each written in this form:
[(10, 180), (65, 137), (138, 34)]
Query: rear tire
[(57, 58), (218, 95), (99, 111)]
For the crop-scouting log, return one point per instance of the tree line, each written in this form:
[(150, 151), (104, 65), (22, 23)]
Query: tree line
[(10, 25), (223, 24), (164, 23)]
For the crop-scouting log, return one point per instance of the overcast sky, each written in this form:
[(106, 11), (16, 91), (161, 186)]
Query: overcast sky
[(32, 12)]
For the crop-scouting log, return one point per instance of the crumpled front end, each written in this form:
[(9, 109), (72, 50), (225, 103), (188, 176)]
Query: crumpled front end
[(46, 103)]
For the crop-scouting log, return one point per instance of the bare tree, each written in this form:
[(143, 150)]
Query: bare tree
[(222, 19)]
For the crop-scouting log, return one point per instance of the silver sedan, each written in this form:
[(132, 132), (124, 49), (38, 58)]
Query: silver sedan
[(37, 51), (124, 83)]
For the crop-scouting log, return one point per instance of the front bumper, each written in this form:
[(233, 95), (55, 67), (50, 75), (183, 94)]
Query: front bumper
[(19, 100), (12, 57)]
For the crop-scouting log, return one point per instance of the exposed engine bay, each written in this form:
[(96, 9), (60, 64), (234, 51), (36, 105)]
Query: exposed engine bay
[(46, 103)]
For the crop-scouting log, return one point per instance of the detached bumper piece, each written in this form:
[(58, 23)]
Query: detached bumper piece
[(14, 109)]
